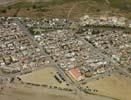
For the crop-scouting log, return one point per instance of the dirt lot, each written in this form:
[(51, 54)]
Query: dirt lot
[(24, 92), (115, 86), (43, 76)]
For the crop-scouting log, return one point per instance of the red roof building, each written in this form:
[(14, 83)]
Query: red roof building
[(76, 74)]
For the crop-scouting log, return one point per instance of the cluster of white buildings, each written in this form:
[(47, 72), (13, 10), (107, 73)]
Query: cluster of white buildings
[(113, 21)]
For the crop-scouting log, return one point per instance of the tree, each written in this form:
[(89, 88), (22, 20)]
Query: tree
[(27, 8), (4, 11), (9, 7), (34, 6)]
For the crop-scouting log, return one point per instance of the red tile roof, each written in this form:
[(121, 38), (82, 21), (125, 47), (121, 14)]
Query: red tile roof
[(75, 73)]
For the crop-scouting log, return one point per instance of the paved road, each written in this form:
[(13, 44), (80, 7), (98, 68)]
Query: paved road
[(98, 76)]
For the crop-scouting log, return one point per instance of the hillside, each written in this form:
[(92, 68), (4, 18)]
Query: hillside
[(64, 8)]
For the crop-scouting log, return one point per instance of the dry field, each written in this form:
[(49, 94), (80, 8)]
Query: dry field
[(24, 92), (43, 76), (115, 86)]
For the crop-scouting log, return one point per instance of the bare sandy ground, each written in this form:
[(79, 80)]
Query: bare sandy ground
[(116, 86), (43, 76), (24, 92)]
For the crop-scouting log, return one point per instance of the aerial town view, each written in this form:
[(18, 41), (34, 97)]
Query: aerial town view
[(65, 49)]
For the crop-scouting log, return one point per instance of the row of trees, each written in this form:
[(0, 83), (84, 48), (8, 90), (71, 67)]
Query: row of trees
[(51, 87)]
